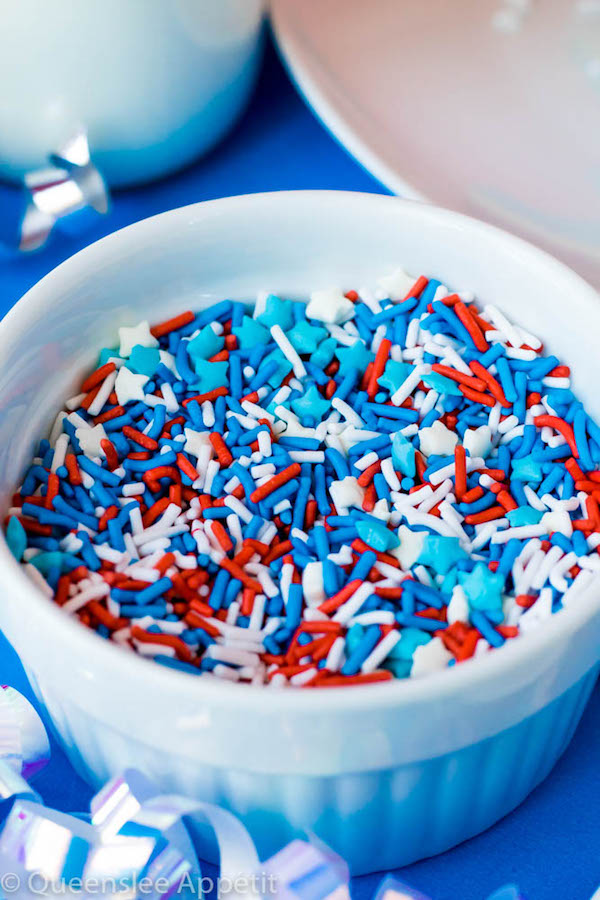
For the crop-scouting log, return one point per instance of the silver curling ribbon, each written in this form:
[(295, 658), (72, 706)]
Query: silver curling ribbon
[(508, 892), (24, 745), (131, 795), (307, 870), (136, 847), (59, 853), (117, 806), (70, 183), (392, 889)]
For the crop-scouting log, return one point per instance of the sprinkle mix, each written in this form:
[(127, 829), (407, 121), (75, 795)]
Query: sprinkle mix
[(348, 491)]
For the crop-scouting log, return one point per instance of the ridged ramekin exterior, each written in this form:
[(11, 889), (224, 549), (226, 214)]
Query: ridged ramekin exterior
[(375, 819)]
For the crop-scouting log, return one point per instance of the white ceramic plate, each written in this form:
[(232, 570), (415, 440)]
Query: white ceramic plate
[(490, 107)]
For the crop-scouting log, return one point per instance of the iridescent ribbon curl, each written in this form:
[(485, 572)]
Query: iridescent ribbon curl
[(24, 746), (137, 846), (70, 183)]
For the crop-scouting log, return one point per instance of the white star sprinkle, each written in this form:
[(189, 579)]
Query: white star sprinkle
[(478, 441), (429, 658), (312, 584), (411, 544), (196, 441), (89, 438), (346, 493), (458, 608), (558, 520), (438, 440), (139, 334), (330, 306), (397, 285), (168, 360), (129, 386)]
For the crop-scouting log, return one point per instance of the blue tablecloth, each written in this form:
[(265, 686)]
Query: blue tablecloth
[(551, 845)]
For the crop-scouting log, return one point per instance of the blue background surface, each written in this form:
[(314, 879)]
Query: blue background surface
[(551, 845)]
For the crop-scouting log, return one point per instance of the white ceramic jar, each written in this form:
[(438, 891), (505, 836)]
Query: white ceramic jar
[(154, 82)]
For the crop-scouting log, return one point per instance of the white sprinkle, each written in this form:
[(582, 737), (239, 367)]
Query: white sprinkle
[(436, 496), (169, 397), (60, 451), (227, 673), (253, 409), (431, 398), (75, 402), (454, 521), (397, 285), (231, 654), (453, 359), (551, 382), (409, 384), (307, 456), (90, 440), (83, 598), (380, 652), (238, 508), (157, 533), (134, 489), (349, 609), (146, 649), (526, 355), (304, 677), (329, 306), (264, 443), (211, 470), (416, 518), (404, 501), (97, 405), (458, 608), (494, 418), (208, 413), (265, 469), (267, 533), (437, 439), (57, 427), (429, 658), (389, 473), (335, 657), (472, 463), (109, 553), (512, 434), (288, 351), (507, 424), (533, 499), (139, 334), (235, 531), (312, 584), (503, 325), (552, 557), (232, 613), (522, 532), (347, 412), (365, 461), (583, 580), (258, 610), (369, 299)]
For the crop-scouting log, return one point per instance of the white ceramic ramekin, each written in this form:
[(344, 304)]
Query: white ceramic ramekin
[(154, 82), (386, 773)]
